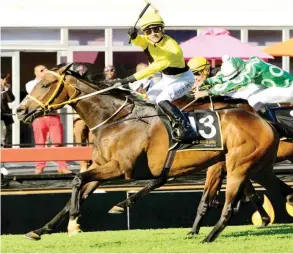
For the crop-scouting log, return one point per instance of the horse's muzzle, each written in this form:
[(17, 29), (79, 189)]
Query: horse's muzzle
[(27, 116), (21, 112)]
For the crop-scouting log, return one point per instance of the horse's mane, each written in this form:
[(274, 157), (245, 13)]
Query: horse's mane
[(95, 80)]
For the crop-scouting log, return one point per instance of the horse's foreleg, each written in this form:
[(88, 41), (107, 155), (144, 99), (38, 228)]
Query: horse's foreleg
[(151, 185), (255, 199), (99, 173), (212, 185), (234, 191), (51, 226)]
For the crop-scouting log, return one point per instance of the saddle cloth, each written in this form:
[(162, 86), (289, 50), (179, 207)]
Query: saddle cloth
[(284, 115), (206, 123)]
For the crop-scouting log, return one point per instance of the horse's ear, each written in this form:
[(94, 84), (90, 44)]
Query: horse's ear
[(64, 68)]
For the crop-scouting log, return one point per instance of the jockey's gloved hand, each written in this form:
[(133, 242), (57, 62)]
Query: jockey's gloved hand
[(132, 32), (204, 86), (124, 81), (127, 80)]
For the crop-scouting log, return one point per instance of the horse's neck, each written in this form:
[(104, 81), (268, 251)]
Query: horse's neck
[(94, 110), (97, 109)]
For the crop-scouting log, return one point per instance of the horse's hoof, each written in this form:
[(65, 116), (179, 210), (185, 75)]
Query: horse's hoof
[(73, 227), (289, 199), (205, 241), (116, 210), (73, 232), (193, 233), (256, 218), (289, 209), (32, 236)]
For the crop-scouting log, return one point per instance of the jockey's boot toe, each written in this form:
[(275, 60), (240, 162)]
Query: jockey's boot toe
[(185, 134)]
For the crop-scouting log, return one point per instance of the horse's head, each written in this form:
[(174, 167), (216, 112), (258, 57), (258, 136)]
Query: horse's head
[(52, 92)]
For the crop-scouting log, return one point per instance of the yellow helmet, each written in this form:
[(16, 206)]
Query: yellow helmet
[(151, 18), (199, 64)]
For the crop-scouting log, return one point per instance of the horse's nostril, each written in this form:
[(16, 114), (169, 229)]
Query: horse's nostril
[(21, 110)]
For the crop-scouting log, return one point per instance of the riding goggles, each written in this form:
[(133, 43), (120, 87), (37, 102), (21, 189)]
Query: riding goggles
[(155, 30), (197, 73)]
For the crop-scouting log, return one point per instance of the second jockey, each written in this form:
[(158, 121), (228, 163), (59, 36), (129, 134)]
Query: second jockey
[(164, 55), (254, 80)]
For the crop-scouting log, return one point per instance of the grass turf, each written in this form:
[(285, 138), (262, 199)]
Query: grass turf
[(235, 239)]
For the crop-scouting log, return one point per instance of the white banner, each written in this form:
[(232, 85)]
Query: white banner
[(123, 13)]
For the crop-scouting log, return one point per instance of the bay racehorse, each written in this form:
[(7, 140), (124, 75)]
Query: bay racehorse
[(216, 173), (128, 128)]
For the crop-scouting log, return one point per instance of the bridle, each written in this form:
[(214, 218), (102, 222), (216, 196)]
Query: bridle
[(61, 81)]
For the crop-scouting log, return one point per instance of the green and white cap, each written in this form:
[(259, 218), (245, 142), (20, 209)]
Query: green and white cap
[(231, 67)]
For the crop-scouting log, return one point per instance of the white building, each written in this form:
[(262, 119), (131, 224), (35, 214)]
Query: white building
[(51, 32)]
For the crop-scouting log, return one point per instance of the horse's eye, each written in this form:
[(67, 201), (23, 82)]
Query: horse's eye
[(45, 85)]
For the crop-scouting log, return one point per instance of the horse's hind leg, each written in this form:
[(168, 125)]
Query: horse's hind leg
[(212, 185), (51, 226), (250, 192), (272, 183), (151, 185), (234, 191)]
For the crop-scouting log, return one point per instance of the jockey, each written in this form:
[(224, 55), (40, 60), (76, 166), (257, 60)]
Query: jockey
[(199, 66), (201, 69), (254, 80), (164, 55)]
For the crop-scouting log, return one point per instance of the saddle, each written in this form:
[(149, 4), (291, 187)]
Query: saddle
[(283, 119)]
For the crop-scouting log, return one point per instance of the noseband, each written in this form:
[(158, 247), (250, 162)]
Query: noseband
[(46, 106)]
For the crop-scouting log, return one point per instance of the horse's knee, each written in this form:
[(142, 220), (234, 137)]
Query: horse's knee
[(77, 181), (157, 182)]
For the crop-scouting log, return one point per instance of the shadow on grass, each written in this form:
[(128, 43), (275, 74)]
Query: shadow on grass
[(106, 244), (270, 230)]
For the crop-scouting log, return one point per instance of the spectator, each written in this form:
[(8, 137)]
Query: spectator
[(45, 125), (142, 85), (110, 72), (81, 69), (82, 135), (6, 113)]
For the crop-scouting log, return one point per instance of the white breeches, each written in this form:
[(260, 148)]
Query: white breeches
[(171, 87), (257, 95), (3, 132)]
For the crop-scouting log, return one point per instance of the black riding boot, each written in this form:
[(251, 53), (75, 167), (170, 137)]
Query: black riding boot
[(182, 131), (267, 114), (283, 129)]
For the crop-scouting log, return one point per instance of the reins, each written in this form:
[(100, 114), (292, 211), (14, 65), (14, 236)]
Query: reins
[(45, 106), (72, 99)]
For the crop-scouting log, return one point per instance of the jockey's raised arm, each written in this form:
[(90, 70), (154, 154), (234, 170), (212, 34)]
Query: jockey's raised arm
[(166, 56)]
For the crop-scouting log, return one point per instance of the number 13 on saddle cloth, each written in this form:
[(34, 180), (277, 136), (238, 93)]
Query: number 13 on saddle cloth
[(207, 124)]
